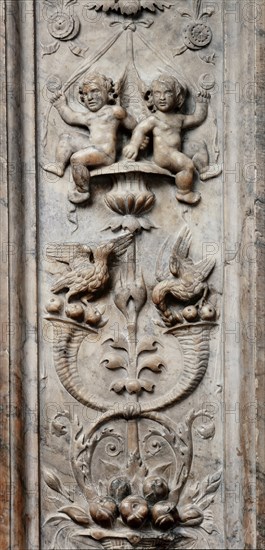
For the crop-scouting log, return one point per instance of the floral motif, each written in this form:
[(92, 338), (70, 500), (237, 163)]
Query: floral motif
[(197, 34), (114, 361), (63, 26), (172, 505), (128, 7), (130, 199)]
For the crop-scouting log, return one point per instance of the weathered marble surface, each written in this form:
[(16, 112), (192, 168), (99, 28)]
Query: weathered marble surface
[(64, 349)]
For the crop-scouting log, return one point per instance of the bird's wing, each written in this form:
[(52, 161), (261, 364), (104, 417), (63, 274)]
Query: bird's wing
[(65, 281), (65, 253), (181, 247), (204, 268), (120, 245), (75, 280), (161, 272)]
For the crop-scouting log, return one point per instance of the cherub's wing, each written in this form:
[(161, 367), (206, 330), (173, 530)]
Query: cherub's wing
[(181, 247), (137, 104), (65, 253), (204, 268)]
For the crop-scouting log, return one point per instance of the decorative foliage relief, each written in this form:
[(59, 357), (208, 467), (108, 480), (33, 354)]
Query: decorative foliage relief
[(130, 476)]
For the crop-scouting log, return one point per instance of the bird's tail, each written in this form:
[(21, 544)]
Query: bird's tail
[(159, 292)]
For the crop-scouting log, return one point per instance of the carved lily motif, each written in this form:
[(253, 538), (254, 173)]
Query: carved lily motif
[(63, 26), (130, 297), (122, 360), (196, 34)]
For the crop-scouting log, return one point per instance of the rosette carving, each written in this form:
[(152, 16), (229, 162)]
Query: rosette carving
[(63, 25), (196, 34)]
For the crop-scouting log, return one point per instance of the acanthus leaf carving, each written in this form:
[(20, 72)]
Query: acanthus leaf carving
[(128, 7), (76, 514), (173, 507), (53, 481)]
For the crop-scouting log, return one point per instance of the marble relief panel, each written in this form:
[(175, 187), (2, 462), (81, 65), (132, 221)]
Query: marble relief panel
[(130, 201)]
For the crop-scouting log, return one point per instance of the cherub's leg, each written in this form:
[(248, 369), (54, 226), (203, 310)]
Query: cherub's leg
[(68, 144), (184, 179), (79, 162), (201, 162), (198, 152)]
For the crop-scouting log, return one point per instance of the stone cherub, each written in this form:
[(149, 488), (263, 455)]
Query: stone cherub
[(166, 123), (98, 148)]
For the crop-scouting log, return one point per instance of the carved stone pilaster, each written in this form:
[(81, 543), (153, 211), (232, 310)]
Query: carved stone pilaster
[(132, 208)]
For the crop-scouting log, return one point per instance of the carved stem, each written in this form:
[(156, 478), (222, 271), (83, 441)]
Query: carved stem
[(132, 312), (129, 47), (133, 437)]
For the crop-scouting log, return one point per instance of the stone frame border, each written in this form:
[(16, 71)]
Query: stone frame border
[(244, 450)]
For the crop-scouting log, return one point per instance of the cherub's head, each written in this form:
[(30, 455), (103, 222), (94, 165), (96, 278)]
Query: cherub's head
[(166, 94), (96, 91)]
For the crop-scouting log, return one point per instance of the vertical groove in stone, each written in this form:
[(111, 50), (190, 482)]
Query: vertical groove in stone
[(239, 511), (4, 309), (22, 261), (259, 212)]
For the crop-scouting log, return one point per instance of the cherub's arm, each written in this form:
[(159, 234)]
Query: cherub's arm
[(141, 130), (129, 122), (67, 114), (200, 113)]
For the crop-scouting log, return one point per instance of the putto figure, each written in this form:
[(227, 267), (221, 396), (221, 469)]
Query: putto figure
[(96, 149), (166, 124)]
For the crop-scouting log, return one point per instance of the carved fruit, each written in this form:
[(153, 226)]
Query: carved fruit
[(92, 316), (155, 489), (104, 512), (134, 511), (190, 313), (207, 312), (165, 515), (191, 515), (120, 488), (54, 305), (129, 7), (207, 430), (75, 311)]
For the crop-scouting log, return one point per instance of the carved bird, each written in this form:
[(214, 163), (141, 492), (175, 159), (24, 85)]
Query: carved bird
[(184, 280), (88, 270)]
